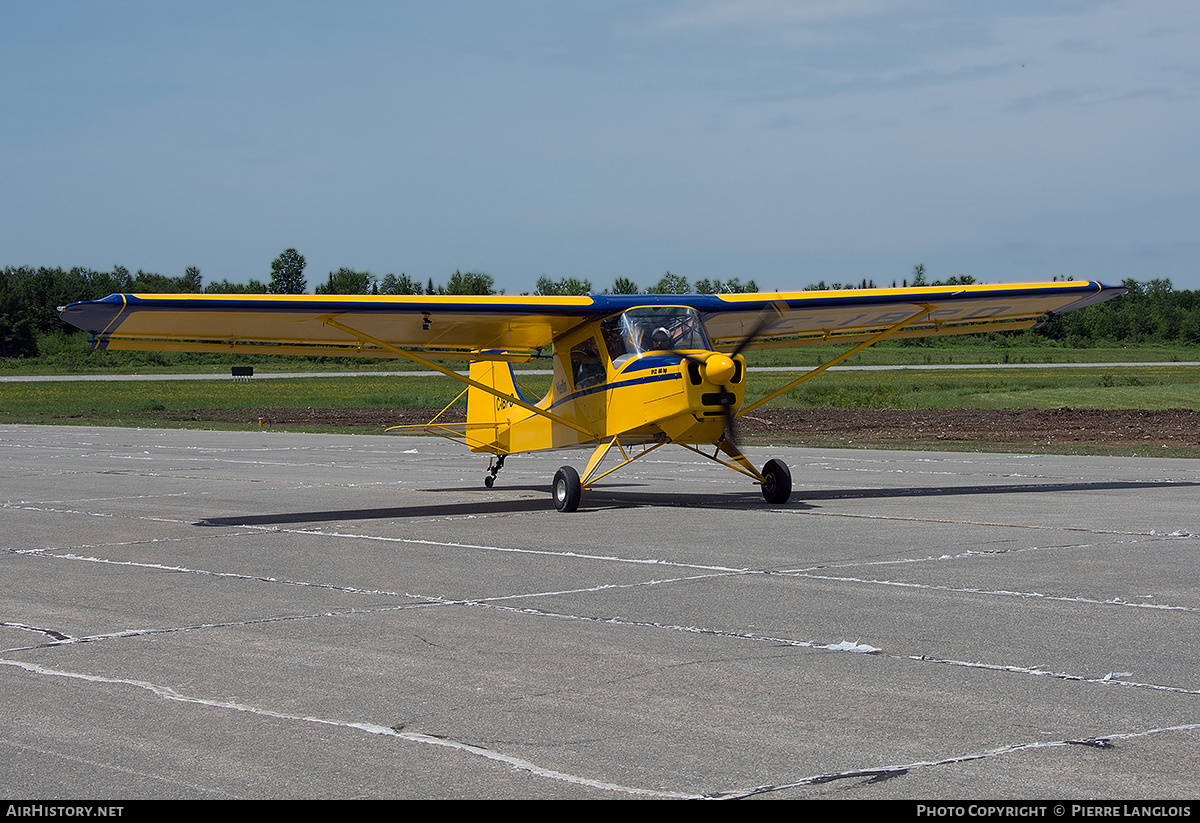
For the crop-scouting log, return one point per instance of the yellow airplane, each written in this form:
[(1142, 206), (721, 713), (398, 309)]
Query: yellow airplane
[(632, 372)]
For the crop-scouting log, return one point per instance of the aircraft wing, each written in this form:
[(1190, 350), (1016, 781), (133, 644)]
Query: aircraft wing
[(830, 317), (300, 324), (462, 326)]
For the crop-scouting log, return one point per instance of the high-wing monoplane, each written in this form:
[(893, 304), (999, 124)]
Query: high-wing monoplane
[(630, 372)]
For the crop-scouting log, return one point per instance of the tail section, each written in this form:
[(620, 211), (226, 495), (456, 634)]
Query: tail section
[(489, 417)]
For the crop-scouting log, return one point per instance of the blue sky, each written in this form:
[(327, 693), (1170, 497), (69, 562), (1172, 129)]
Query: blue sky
[(784, 142)]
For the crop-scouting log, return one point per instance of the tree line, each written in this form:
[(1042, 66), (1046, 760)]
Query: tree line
[(1152, 312)]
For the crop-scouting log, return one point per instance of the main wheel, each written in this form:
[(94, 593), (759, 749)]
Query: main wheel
[(567, 489), (777, 482)]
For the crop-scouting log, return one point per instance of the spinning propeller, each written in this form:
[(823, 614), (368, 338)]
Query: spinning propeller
[(719, 369)]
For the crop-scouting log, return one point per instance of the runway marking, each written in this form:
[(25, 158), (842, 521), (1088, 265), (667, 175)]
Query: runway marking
[(517, 763)]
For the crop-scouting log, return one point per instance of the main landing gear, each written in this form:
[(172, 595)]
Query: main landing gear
[(775, 479), (567, 489), (777, 482)]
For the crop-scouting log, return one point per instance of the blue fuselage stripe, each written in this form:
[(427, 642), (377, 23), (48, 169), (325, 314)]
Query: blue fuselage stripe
[(618, 384)]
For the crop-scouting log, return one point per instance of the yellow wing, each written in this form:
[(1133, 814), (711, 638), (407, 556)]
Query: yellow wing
[(517, 327), (305, 324), (832, 317)]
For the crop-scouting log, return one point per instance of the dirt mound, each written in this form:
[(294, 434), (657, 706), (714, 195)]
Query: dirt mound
[(1000, 429)]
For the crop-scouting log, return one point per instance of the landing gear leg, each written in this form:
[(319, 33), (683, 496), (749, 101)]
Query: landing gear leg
[(493, 470)]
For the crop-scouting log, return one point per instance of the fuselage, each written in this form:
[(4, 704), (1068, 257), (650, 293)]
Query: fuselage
[(615, 378)]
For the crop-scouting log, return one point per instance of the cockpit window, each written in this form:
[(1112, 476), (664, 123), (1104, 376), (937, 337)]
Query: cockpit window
[(653, 328), (587, 368)]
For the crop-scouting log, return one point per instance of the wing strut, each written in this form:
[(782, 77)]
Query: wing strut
[(589, 474), (926, 310), (429, 364)]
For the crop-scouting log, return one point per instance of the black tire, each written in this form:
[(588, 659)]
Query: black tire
[(566, 489), (488, 480), (777, 482)]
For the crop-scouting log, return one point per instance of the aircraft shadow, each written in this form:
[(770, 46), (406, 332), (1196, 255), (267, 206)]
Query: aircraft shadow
[(614, 498), (441, 510), (1009, 488), (802, 499)]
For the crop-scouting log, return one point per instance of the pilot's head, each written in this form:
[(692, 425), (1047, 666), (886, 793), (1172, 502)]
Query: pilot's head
[(661, 339)]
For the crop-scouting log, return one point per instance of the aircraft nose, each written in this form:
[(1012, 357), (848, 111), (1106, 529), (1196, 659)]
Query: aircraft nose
[(719, 369)]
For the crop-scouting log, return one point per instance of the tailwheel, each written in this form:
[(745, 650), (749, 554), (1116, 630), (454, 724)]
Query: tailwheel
[(493, 469), (567, 489), (777, 482)]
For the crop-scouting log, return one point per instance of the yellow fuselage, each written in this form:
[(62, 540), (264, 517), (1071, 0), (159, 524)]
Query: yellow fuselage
[(647, 397)]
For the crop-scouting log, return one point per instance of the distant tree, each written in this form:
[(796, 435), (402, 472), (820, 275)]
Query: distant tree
[(154, 283), (734, 286), (191, 281), (88, 284), (225, 287), (730, 286), (1189, 327), (623, 285), (670, 284), (17, 338), (400, 285), (957, 280), (348, 281), (471, 282), (287, 274), (565, 285), (919, 275)]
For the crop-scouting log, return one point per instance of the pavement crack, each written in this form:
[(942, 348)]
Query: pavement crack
[(898, 770), (516, 763), (51, 633), (65, 640), (872, 775)]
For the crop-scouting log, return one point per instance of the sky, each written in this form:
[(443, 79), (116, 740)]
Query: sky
[(782, 142)]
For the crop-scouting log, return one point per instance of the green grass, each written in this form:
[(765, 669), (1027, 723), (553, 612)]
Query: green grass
[(132, 403), (984, 349), (68, 354), (125, 402)]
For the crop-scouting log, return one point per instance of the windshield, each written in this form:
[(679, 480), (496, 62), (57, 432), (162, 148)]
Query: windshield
[(653, 328)]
